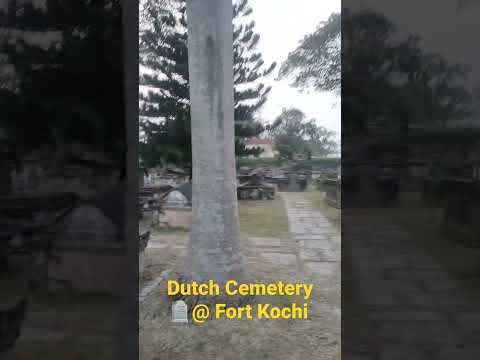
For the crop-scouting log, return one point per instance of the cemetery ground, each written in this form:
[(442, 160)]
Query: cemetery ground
[(62, 326), (287, 239), (416, 279), (440, 242)]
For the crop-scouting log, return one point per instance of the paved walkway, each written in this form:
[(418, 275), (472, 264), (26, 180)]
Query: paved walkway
[(318, 242), (406, 297), (311, 253)]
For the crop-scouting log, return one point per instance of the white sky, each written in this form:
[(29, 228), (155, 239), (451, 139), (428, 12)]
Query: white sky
[(281, 24)]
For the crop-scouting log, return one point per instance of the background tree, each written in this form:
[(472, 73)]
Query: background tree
[(320, 141), (294, 135), (165, 111), (396, 85), (65, 76), (316, 61)]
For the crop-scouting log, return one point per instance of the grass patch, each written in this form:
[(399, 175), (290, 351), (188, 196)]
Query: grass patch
[(332, 162), (72, 325), (169, 231), (263, 218), (318, 200)]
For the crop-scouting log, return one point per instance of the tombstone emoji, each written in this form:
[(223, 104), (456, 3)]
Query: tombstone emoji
[(179, 312)]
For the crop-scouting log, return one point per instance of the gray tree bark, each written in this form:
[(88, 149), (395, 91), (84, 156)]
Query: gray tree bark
[(214, 238)]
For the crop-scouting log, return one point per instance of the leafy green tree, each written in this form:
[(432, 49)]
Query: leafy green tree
[(295, 136), (396, 85), (316, 61), (65, 81), (320, 141), (165, 110)]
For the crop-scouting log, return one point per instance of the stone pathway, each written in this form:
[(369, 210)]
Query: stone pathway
[(310, 254), (406, 297), (319, 244)]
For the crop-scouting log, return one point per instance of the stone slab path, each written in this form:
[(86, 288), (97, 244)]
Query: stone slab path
[(318, 242), (406, 296), (318, 251), (309, 254)]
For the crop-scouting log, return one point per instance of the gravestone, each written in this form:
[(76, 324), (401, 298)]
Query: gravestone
[(214, 249), (179, 312)]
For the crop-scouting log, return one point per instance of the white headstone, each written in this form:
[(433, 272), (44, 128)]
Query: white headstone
[(179, 312)]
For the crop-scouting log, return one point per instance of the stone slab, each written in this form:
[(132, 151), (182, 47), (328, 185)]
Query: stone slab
[(321, 268)]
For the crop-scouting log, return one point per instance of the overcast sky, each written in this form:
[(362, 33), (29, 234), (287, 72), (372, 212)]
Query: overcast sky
[(281, 25)]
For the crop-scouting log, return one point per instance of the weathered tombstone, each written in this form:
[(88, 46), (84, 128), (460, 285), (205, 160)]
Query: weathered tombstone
[(214, 249), (179, 312)]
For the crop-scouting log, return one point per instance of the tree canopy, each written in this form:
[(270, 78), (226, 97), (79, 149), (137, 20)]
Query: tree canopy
[(164, 105), (294, 135), (316, 61), (393, 86), (400, 83), (63, 63)]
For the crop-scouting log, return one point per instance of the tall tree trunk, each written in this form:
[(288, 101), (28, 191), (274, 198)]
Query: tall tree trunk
[(214, 240)]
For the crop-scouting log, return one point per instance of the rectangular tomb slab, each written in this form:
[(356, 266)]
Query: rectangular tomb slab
[(321, 268), (280, 259), (311, 236), (319, 244), (271, 242)]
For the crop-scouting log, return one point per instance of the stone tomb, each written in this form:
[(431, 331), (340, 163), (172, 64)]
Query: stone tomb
[(76, 246), (177, 207)]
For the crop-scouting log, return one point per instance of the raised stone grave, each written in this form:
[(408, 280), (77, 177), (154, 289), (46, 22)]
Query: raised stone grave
[(332, 186), (62, 242)]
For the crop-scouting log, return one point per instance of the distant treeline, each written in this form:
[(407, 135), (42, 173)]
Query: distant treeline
[(324, 162)]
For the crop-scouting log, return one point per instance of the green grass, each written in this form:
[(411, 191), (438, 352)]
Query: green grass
[(281, 162), (260, 162), (318, 200), (263, 218), (157, 230)]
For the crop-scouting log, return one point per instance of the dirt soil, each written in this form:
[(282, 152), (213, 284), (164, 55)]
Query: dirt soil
[(62, 326)]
